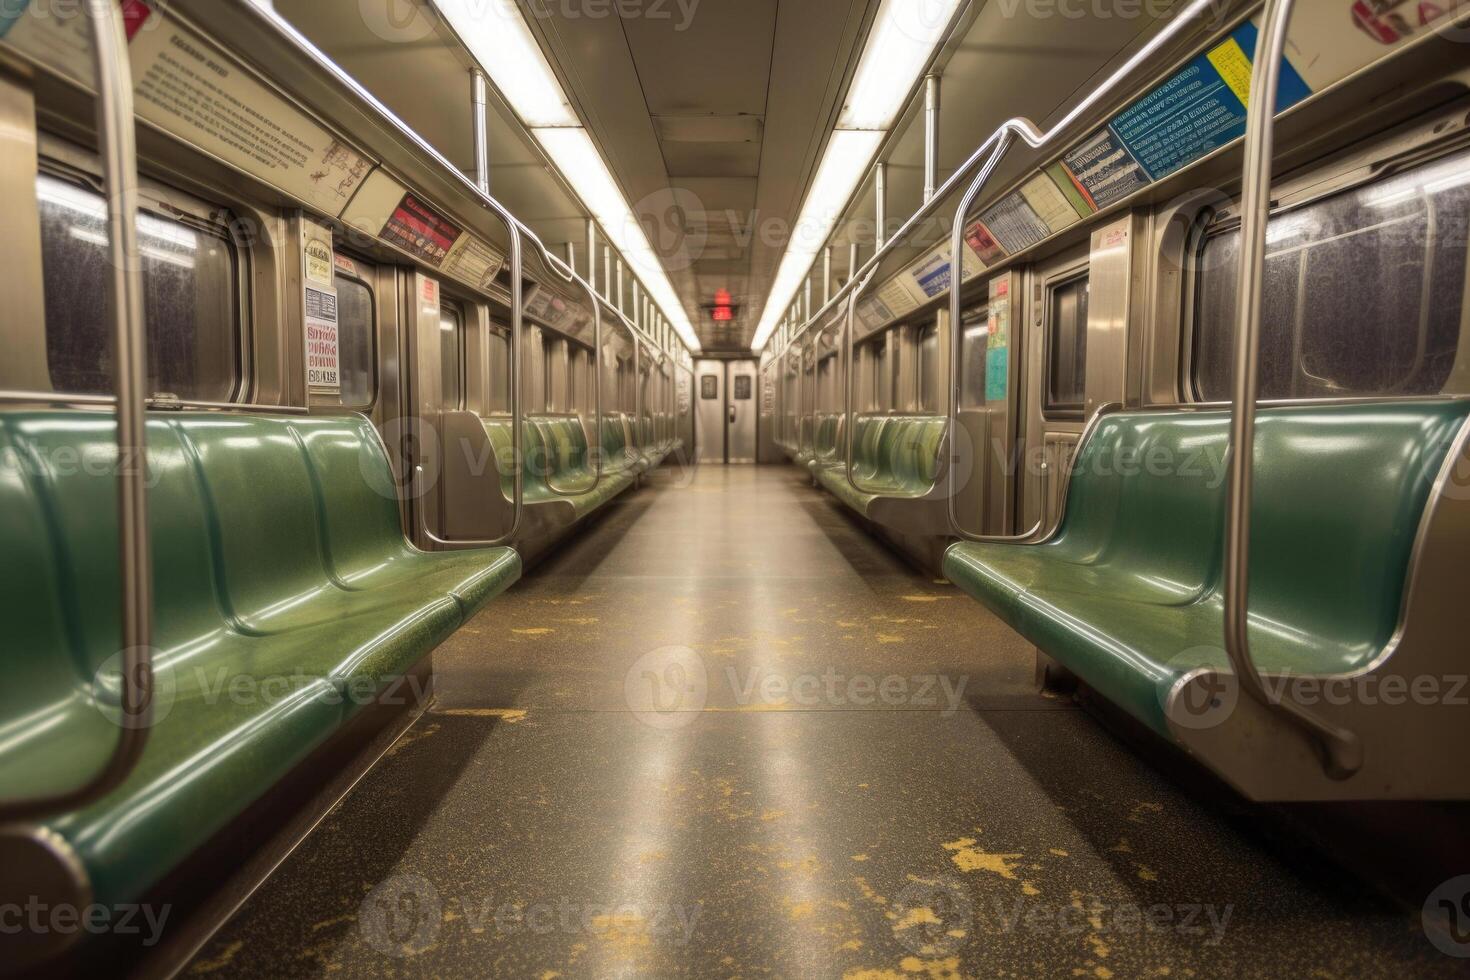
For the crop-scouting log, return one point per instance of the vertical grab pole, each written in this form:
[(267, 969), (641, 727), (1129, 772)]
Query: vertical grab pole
[(480, 99), (117, 144), (1341, 750), (931, 136), (957, 335)]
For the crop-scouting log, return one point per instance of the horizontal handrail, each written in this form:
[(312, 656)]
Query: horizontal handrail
[(1341, 750)]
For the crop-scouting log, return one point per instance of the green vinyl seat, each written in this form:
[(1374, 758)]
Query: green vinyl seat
[(803, 452), (618, 455), (826, 439), (1127, 592), (894, 456), (557, 472), (285, 599)]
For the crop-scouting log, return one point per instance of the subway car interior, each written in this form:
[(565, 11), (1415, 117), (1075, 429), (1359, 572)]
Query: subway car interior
[(858, 489)]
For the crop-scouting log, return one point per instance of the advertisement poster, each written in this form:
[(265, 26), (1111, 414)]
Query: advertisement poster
[(1201, 108), (323, 351), (983, 244), (420, 231), (1104, 169), (998, 343), (191, 88)]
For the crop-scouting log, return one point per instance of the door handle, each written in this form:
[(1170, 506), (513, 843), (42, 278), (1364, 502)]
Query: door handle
[(732, 414)]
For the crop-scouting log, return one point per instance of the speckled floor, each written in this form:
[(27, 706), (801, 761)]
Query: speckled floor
[(727, 734)]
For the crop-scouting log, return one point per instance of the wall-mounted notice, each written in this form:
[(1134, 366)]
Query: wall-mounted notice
[(420, 231), (1054, 208), (1070, 189), (872, 313), (1013, 223), (323, 351), (998, 341), (1323, 51), (932, 273), (1104, 169), (189, 87), (474, 262), (901, 295), (1201, 108), (983, 244)]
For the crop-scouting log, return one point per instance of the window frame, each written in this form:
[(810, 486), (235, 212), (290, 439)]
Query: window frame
[(360, 275), (1050, 411), (68, 164), (1346, 174), (449, 303)]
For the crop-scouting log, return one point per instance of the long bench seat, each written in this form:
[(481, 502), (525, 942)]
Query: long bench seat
[(896, 462), (558, 476), (285, 598), (1127, 591)]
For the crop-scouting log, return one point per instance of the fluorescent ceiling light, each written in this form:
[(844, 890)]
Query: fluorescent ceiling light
[(498, 37), (501, 42), (899, 46), (847, 158), (575, 155)]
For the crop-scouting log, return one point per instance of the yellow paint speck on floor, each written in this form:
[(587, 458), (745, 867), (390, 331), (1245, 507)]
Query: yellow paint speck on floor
[(968, 857)]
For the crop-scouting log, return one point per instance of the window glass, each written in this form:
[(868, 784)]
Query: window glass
[(1363, 293), (882, 376), (190, 286), (451, 356), (973, 344), (929, 381), (499, 396), (355, 341), (1066, 369)]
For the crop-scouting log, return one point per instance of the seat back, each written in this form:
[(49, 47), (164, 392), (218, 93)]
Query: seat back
[(566, 443), (1338, 494), (359, 498), (246, 514), (533, 450)]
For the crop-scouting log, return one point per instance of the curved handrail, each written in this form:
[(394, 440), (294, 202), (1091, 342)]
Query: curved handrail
[(1342, 751), (1027, 131), (517, 416), (116, 137)]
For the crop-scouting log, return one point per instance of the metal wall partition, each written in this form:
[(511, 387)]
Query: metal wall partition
[(1342, 751), (117, 140)]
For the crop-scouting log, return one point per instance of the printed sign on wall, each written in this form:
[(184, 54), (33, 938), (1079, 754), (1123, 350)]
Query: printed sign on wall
[(188, 86), (323, 348)]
